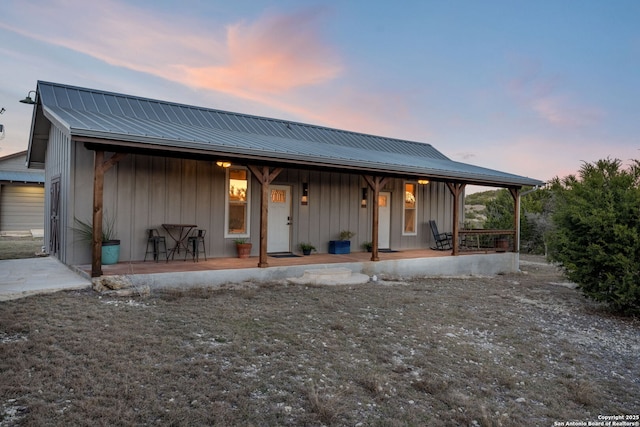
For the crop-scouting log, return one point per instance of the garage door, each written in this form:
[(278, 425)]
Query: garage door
[(21, 207)]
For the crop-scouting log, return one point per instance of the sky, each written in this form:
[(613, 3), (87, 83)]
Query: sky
[(535, 88)]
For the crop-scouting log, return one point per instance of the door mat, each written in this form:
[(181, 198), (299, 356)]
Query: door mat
[(284, 255), (388, 251)]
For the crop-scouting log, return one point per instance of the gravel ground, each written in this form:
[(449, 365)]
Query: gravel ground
[(515, 349)]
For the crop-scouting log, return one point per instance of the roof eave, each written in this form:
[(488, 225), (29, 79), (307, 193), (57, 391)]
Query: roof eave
[(114, 139)]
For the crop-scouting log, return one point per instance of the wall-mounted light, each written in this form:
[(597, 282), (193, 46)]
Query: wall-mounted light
[(28, 99), (363, 202), (304, 200), (423, 181), (223, 163)]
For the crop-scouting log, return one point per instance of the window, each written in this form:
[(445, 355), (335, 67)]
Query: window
[(237, 195), (410, 215)]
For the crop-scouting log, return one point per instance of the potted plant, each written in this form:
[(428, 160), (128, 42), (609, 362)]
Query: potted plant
[(306, 248), (367, 246), (342, 246), (243, 247), (110, 243)]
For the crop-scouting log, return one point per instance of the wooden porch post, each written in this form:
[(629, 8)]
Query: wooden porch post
[(376, 183), (99, 169), (98, 188), (456, 190), (265, 178), (515, 193)]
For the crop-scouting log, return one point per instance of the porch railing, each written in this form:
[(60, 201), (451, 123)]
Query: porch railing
[(477, 240)]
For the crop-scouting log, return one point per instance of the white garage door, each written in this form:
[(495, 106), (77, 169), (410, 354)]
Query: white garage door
[(21, 207)]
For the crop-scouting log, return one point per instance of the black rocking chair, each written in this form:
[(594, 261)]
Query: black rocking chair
[(444, 241)]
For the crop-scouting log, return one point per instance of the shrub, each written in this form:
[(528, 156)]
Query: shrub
[(597, 236)]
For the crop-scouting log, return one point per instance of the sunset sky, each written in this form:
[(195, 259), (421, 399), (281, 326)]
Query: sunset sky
[(534, 88)]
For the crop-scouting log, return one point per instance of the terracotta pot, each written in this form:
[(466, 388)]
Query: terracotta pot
[(502, 244), (244, 250)]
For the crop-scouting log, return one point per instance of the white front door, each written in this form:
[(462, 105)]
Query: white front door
[(278, 238), (384, 220)]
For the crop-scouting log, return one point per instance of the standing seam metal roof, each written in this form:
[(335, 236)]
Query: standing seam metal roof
[(93, 113)]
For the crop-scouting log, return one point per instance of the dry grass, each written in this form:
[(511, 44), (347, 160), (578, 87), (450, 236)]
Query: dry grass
[(19, 247), (500, 351)]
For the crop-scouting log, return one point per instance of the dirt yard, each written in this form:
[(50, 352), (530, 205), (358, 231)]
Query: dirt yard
[(521, 349)]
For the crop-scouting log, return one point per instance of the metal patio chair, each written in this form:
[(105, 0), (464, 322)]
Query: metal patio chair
[(193, 245), (157, 243)]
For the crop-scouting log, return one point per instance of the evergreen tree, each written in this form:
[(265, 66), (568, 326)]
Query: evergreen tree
[(597, 232)]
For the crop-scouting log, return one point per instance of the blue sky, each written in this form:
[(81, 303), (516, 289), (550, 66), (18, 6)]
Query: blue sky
[(528, 87)]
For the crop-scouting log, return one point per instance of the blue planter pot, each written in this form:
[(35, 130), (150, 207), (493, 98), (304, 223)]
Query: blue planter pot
[(339, 246), (110, 252)]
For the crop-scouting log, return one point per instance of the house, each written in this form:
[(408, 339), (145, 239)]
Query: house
[(144, 163), (21, 196)]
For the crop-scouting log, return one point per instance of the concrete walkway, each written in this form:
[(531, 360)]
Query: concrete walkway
[(23, 277)]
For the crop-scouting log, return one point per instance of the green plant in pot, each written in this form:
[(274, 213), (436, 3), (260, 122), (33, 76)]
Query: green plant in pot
[(367, 246), (243, 247), (306, 248), (110, 243)]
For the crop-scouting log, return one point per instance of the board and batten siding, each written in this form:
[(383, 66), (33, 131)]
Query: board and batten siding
[(59, 165), (143, 192)]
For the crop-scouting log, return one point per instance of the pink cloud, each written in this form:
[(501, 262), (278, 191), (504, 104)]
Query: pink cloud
[(275, 54), (278, 60), (559, 111), (116, 33), (544, 96)]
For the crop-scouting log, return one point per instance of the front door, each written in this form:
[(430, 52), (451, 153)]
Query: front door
[(384, 220), (278, 237)]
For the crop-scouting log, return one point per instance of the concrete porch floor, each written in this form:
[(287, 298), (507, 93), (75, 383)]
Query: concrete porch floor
[(406, 263)]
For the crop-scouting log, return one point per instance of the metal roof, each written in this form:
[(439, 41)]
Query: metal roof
[(26, 177), (98, 114)]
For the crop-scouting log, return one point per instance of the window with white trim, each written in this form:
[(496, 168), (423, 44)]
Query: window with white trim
[(237, 202), (410, 211)]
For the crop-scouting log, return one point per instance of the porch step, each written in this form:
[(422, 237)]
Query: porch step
[(330, 276)]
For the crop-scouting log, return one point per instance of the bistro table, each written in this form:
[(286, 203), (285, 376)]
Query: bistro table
[(179, 234)]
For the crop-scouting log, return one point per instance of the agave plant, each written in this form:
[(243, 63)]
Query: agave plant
[(85, 229)]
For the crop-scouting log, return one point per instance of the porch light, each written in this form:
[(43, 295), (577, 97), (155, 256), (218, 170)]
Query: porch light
[(223, 163), (363, 202), (423, 181), (28, 99), (305, 194)]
